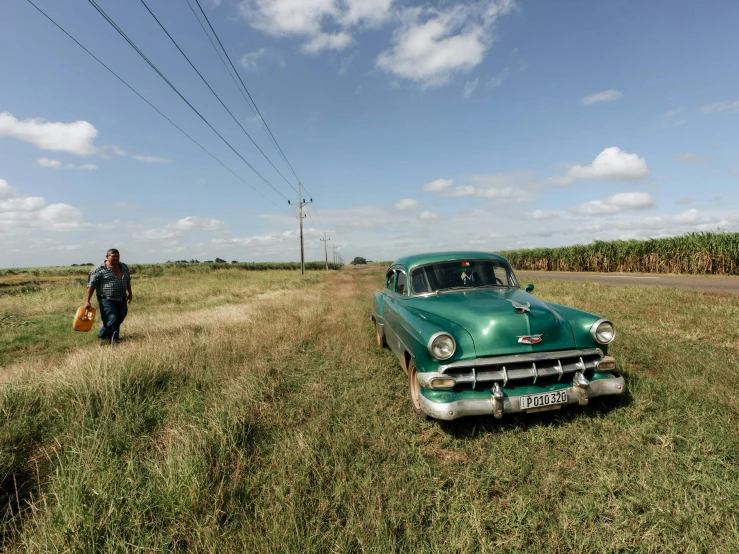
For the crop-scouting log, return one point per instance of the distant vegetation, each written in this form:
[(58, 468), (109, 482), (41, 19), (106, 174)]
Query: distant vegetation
[(155, 269), (358, 261), (696, 253)]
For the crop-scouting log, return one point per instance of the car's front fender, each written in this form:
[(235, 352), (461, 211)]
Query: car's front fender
[(581, 322), (417, 329), (378, 308)]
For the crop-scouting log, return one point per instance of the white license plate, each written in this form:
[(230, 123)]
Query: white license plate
[(543, 401)]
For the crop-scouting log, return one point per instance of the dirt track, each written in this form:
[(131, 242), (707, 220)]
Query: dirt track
[(702, 283)]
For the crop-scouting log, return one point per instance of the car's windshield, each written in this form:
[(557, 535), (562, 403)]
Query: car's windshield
[(461, 274)]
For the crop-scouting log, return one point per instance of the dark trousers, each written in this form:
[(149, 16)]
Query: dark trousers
[(112, 314)]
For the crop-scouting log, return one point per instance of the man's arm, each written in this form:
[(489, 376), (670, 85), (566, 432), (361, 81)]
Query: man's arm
[(88, 297), (128, 289), (92, 282)]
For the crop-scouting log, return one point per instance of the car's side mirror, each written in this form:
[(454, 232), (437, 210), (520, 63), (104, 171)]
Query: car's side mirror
[(529, 288)]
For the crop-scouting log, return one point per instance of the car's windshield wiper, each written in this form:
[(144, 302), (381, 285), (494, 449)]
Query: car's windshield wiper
[(437, 291), (495, 285)]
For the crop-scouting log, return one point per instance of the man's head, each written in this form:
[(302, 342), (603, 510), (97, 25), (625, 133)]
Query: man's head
[(113, 256)]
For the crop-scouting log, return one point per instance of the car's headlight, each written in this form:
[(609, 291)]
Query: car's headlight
[(603, 331), (442, 346)]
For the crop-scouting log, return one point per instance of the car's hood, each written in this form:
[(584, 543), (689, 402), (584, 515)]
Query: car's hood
[(490, 318)]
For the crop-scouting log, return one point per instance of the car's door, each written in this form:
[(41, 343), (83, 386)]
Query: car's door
[(395, 294)]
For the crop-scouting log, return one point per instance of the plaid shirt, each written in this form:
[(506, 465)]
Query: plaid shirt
[(107, 284)]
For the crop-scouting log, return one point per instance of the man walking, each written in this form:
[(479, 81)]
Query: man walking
[(112, 282)]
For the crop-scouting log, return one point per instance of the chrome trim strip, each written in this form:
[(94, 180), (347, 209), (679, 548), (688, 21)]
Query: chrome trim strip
[(505, 376), (474, 378), (517, 358), (536, 373), (486, 406), (560, 369), (378, 318)]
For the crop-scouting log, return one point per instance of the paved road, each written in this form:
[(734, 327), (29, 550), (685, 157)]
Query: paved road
[(702, 283)]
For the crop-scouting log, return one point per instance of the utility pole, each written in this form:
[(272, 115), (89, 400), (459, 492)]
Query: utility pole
[(301, 204), (325, 247)]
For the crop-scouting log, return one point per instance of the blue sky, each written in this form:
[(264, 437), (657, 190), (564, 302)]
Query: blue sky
[(414, 126)]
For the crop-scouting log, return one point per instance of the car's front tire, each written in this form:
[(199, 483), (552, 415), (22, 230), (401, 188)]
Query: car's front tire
[(415, 391)]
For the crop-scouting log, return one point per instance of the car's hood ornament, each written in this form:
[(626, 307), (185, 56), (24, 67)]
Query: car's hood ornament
[(529, 339), (520, 308)]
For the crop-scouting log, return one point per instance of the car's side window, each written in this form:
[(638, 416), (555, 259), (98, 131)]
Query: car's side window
[(390, 280), (502, 275), (400, 283)]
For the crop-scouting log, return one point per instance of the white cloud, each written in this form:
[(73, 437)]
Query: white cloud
[(19, 212), (108, 150), (692, 158), (309, 18), (75, 137), (721, 107), (688, 216), (249, 60), (475, 192), (614, 204), (46, 162), (613, 164), (469, 88), (497, 80), (603, 96), (432, 45), (563, 181), (176, 228), (191, 223), (272, 239), (56, 164), (327, 41), (437, 186), (407, 204), (152, 159), (427, 216), (541, 214), (6, 191), (367, 12)]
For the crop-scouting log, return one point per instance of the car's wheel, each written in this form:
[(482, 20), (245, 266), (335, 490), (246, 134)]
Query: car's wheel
[(415, 391), (380, 335)]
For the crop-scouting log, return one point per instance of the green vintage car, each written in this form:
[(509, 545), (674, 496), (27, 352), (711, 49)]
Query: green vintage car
[(472, 342)]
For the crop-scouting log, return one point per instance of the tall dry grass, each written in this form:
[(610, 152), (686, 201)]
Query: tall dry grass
[(263, 419)]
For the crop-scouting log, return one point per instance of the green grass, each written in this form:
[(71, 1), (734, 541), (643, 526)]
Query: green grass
[(695, 253), (255, 414)]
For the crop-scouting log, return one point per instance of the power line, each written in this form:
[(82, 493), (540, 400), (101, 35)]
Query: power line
[(249, 102), (153, 106), (217, 97), (258, 114), (156, 69), (263, 122)]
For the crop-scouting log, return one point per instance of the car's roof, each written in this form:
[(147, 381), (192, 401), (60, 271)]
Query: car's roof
[(433, 257)]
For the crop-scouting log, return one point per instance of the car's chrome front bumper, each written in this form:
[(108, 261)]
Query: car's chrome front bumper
[(498, 404)]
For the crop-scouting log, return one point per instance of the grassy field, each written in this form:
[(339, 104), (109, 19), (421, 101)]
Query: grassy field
[(693, 253), (251, 412)]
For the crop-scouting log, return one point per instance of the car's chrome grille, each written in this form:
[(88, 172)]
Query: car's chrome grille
[(522, 369)]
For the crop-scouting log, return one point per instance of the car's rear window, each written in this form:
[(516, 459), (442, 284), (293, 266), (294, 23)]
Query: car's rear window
[(462, 274)]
